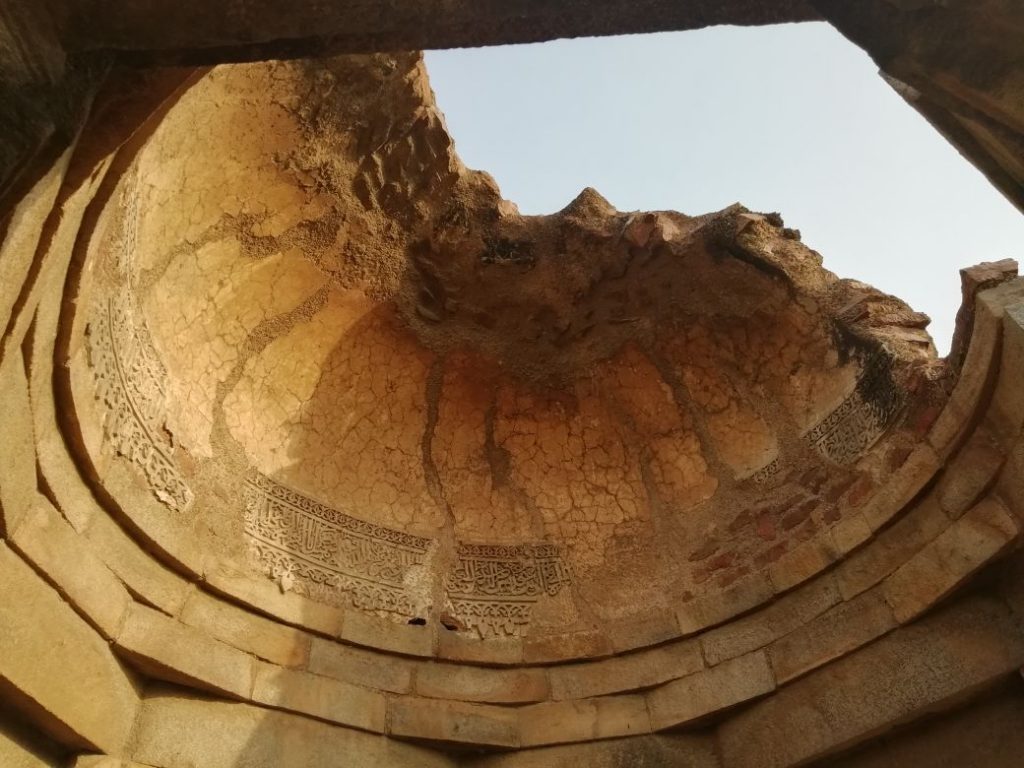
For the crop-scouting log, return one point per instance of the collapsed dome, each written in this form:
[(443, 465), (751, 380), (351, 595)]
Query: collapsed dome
[(349, 366)]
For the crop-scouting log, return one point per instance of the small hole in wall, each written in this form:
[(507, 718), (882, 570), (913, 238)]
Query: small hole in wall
[(418, 621), (450, 625)]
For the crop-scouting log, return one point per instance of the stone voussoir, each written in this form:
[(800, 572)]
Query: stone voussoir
[(169, 650), (484, 725), (710, 691), (979, 536), (320, 697)]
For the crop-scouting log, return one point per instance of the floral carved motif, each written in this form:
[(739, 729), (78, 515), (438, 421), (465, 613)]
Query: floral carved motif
[(130, 381)]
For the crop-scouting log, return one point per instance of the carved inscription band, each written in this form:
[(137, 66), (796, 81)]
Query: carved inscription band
[(130, 381), (856, 423), (328, 555)]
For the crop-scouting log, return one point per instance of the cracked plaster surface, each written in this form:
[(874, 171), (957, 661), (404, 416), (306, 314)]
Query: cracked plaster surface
[(344, 308)]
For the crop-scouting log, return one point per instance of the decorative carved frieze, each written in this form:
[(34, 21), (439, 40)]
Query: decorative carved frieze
[(327, 555), (493, 588), (767, 473), (856, 423), (130, 381)]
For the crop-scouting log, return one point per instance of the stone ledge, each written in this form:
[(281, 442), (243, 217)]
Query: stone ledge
[(712, 690), (44, 538), (1006, 412), (382, 634), (320, 697), (708, 611), (568, 646), (264, 596), (360, 667), (412, 717), (903, 487), (831, 635), (480, 684), (57, 669), (504, 651), (143, 576), (786, 614), (247, 631), (978, 537), (970, 474), (17, 448), (168, 650), (622, 673), (891, 548), (178, 730), (581, 721), (913, 671)]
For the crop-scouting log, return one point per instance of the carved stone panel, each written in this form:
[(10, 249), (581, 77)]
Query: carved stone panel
[(493, 588), (329, 556), (131, 383), (846, 433)]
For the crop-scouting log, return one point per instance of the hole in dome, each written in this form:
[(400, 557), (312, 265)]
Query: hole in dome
[(791, 118), (418, 621)]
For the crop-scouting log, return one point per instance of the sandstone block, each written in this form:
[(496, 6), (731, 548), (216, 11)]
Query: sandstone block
[(848, 534), (709, 610), (916, 669), (1007, 408), (264, 595), (44, 538), (177, 731), (246, 631), (891, 548), (139, 571), (457, 647), (470, 724), (1010, 484), (958, 552), (642, 629), (569, 645), (320, 697), (624, 673), (368, 669), (166, 533), (780, 617), (52, 658), (74, 498), (168, 650), (17, 448), (482, 684), (711, 690), (564, 722), (904, 484), (18, 248), (798, 565), (834, 633), (984, 733), (656, 751), (373, 632), (970, 474), (956, 418)]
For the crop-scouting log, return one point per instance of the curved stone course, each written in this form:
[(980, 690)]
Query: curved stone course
[(316, 451)]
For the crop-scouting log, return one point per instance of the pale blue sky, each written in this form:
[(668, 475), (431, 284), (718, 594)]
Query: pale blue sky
[(790, 118)]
